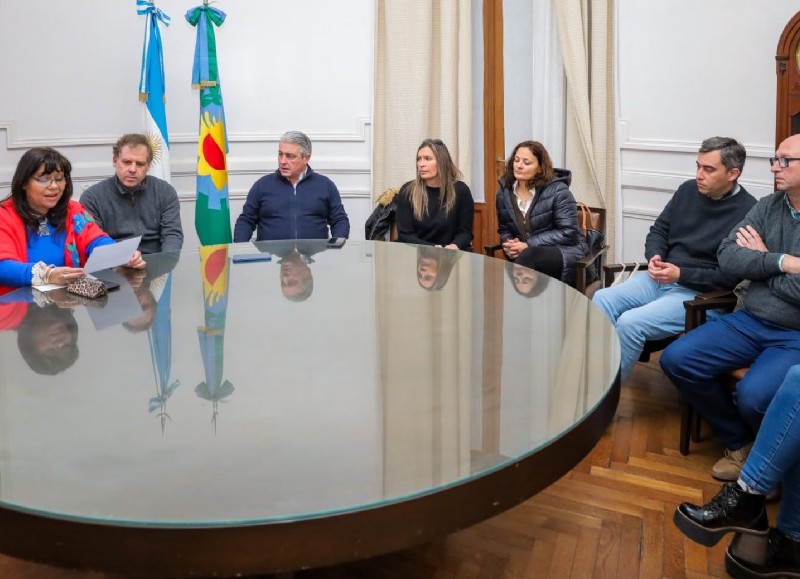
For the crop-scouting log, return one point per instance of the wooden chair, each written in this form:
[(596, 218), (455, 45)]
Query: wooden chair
[(588, 268), (696, 315)]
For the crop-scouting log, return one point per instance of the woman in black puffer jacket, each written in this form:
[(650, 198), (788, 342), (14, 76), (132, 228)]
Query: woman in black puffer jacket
[(537, 216)]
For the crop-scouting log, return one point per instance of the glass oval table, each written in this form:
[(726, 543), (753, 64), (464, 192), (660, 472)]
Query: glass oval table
[(276, 406)]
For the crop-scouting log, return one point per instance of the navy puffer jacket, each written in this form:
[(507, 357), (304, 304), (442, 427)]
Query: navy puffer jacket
[(553, 220)]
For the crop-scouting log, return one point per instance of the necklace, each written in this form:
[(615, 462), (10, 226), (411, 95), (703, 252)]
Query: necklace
[(44, 228)]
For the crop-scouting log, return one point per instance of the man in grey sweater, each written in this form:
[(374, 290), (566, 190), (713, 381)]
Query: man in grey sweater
[(765, 335), (133, 203)]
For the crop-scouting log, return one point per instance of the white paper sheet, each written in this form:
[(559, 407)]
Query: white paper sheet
[(107, 256)]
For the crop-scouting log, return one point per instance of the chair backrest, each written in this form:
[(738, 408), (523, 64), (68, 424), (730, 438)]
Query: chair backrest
[(588, 270), (591, 218)]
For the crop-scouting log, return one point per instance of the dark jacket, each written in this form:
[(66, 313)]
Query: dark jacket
[(278, 212), (553, 220), (380, 221)]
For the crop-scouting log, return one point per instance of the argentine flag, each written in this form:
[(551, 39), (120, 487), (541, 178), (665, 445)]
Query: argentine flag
[(151, 88)]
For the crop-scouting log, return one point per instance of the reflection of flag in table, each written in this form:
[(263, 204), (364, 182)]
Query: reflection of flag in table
[(214, 268), (152, 88), (212, 217), (160, 335)]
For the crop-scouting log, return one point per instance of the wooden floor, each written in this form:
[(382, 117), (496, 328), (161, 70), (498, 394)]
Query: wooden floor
[(609, 517)]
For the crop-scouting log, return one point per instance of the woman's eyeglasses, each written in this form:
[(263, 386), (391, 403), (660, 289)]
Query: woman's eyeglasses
[(44, 180)]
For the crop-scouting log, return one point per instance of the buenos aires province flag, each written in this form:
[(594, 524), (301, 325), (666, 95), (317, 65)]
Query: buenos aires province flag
[(212, 217)]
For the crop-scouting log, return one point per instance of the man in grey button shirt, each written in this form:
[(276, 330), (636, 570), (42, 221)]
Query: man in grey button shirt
[(133, 203)]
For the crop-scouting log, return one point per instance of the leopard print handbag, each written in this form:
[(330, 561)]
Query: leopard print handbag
[(87, 287)]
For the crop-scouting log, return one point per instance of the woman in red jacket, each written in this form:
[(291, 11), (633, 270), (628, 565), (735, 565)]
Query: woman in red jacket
[(45, 236)]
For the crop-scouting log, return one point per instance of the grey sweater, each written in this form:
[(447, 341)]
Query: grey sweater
[(152, 211), (773, 296)]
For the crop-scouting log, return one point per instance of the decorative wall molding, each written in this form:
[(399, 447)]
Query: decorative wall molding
[(90, 173), (680, 146), (668, 182), (641, 214), (361, 134)]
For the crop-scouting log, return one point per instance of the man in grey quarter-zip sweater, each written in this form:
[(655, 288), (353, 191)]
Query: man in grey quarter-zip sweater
[(764, 335), (133, 203)]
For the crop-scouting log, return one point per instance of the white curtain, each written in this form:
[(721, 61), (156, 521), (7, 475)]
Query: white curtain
[(586, 30), (423, 85)]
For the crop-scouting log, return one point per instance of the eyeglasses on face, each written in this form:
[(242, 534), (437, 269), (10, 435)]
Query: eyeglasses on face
[(45, 180), (782, 161)]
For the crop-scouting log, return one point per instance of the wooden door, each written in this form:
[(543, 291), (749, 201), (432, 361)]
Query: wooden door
[(787, 67), (493, 119)]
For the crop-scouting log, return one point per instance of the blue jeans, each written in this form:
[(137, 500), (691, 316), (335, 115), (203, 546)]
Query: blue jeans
[(642, 309), (775, 456), (695, 361)]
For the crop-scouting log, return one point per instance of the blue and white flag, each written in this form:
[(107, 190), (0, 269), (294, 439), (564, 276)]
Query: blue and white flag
[(160, 335), (152, 89)]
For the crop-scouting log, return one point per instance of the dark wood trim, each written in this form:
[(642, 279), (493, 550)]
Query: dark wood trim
[(478, 234), (493, 149), (493, 111)]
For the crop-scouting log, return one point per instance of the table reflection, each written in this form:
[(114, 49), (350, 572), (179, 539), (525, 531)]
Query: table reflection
[(368, 389), (47, 335), (434, 266)]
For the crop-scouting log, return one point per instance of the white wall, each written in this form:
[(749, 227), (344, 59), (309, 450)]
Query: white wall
[(70, 75), (687, 71)]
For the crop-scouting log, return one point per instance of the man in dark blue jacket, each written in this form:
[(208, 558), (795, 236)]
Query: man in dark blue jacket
[(294, 202)]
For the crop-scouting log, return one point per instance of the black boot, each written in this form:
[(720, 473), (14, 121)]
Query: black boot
[(732, 510), (783, 560)]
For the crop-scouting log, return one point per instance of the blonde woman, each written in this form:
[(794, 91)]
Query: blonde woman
[(435, 208)]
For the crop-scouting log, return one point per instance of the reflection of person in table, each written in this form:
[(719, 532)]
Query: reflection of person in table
[(297, 283), (434, 266), (47, 334), (143, 282), (149, 306), (527, 282)]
